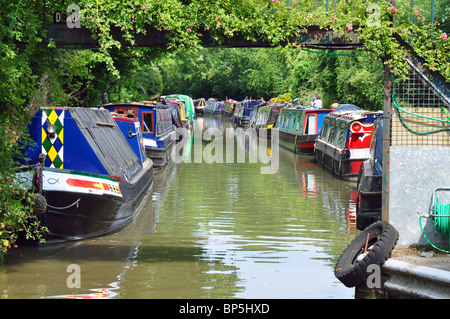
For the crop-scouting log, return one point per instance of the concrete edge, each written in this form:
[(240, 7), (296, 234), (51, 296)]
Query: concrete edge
[(406, 280)]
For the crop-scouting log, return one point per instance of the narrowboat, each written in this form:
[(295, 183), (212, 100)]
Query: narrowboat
[(199, 105), (228, 108), (212, 106), (131, 129), (181, 109), (87, 172), (266, 117), (176, 114), (175, 106), (157, 128), (369, 184), (298, 128), (189, 105), (344, 141), (245, 112)]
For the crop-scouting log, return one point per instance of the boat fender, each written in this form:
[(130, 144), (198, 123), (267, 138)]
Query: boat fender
[(372, 246), (40, 204)]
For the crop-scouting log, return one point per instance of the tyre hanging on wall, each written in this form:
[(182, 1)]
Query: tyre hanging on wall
[(372, 246)]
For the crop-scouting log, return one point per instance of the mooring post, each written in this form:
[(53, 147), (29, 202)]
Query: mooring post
[(387, 109)]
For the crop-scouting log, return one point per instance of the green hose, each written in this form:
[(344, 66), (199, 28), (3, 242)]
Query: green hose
[(441, 220), (399, 109)]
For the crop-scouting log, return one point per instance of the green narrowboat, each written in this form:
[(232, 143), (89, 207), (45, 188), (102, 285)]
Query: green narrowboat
[(188, 102), (298, 128)]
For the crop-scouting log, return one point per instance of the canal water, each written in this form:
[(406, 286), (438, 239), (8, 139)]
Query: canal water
[(207, 230)]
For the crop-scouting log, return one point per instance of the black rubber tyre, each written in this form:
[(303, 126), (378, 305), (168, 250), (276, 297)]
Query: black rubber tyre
[(351, 268)]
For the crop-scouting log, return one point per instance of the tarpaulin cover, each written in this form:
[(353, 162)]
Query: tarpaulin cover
[(106, 140)]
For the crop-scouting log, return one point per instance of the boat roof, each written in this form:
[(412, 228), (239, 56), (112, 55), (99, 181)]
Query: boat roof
[(144, 105), (352, 112)]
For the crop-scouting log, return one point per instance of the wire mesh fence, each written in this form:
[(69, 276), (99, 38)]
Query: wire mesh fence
[(420, 112)]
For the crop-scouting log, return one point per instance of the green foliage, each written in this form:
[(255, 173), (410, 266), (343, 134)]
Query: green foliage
[(278, 22)]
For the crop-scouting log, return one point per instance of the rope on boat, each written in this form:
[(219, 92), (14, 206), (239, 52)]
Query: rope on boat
[(65, 207)]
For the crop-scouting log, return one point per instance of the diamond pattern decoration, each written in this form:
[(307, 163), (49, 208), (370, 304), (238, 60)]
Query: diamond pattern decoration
[(53, 147)]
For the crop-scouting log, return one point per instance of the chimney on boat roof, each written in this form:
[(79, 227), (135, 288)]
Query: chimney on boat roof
[(105, 97)]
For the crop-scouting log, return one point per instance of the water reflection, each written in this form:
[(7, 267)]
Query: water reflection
[(220, 230), (42, 272)]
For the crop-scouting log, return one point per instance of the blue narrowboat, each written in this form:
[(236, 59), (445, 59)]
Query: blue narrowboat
[(157, 128), (344, 142), (298, 128), (212, 106), (245, 112), (131, 129), (90, 178)]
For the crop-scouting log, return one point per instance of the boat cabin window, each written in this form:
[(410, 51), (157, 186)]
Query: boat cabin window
[(331, 133), (164, 121), (311, 124), (341, 133), (325, 129), (147, 122), (342, 137)]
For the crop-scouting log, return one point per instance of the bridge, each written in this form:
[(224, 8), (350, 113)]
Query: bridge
[(311, 37)]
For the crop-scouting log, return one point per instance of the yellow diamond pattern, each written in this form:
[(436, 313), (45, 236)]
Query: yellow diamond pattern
[(52, 153), (53, 117), (44, 135), (61, 135)]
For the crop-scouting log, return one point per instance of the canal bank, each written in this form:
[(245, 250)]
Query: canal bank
[(411, 274)]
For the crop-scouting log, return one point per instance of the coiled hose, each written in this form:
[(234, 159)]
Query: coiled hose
[(441, 219)]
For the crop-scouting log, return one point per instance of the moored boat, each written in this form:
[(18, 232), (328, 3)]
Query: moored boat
[(131, 129), (157, 128), (228, 107), (266, 117), (344, 141), (188, 103), (369, 184), (298, 128), (199, 105), (92, 180), (245, 112), (211, 106)]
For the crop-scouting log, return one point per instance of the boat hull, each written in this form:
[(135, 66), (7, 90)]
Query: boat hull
[(226, 113), (369, 186), (343, 163), (299, 144), (160, 152), (81, 205), (160, 156)]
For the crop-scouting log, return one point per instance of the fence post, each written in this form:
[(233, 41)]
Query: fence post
[(387, 109)]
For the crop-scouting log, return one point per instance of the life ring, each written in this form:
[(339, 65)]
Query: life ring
[(372, 246)]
